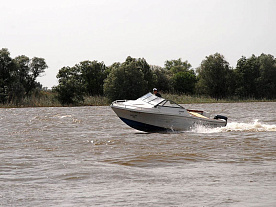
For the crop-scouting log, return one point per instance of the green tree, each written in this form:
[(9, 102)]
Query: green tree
[(161, 78), (23, 71), (182, 77), (213, 75), (178, 65), (126, 80), (37, 67), (184, 82), (10, 86), (93, 74), (142, 65), (85, 78), (28, 71), (71, 88), (266, 82), (247, 73), (18, 76)]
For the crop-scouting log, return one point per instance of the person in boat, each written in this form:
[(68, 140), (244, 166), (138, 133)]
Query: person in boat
[(155, 92)]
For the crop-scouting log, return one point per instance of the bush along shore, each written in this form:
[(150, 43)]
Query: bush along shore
[(49, 99)]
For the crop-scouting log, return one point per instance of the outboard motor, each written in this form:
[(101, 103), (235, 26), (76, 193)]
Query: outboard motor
[(221, 117)]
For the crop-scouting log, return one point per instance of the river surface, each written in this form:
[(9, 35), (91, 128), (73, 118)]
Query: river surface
[(86, 156)]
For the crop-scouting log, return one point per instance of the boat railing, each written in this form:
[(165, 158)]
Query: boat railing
[(119, 101), (138, 108)]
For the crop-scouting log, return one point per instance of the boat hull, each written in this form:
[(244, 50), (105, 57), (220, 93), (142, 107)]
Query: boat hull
[(142, 126), (154, 121)]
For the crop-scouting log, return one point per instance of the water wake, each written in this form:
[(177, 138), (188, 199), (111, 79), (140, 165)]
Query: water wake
[(254, 126)]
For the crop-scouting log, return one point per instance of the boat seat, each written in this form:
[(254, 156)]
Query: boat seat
[(198, 115)]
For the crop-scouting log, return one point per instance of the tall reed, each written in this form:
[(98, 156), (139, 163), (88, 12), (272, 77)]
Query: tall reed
[(49, 99)]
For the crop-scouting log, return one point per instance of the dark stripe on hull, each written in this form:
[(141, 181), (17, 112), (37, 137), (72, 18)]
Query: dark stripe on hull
[(142, 126)]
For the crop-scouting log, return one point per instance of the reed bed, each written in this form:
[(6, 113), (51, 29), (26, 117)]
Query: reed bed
[(38, 99), (49, 99), (96, 101), (189, 99)]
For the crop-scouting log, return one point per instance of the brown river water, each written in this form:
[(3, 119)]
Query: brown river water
[(86, 156)]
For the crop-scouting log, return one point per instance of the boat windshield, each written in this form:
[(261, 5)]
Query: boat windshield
[(158, 101), (151, 99)]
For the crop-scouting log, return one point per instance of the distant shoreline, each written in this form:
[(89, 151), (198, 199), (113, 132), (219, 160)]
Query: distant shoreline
[(48, 99)]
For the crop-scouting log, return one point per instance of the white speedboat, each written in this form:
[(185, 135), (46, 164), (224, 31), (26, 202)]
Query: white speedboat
[(153, 114)]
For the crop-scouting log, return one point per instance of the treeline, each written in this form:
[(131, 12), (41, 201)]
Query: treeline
[(253, 78), (18, 77)]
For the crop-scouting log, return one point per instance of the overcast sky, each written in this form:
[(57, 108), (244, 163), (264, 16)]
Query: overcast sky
[(66, 32)]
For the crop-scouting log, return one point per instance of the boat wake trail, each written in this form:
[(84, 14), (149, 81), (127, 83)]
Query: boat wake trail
[(254, 126)]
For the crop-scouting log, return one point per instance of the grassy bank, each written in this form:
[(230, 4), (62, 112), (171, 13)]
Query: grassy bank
[(39, 99), (187, 99), (48, 99)]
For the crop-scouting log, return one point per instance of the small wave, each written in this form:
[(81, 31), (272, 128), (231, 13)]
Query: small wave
[(65, 116), (254, 126)]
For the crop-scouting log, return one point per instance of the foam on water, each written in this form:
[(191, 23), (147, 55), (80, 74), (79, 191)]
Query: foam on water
[(254, 126)]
